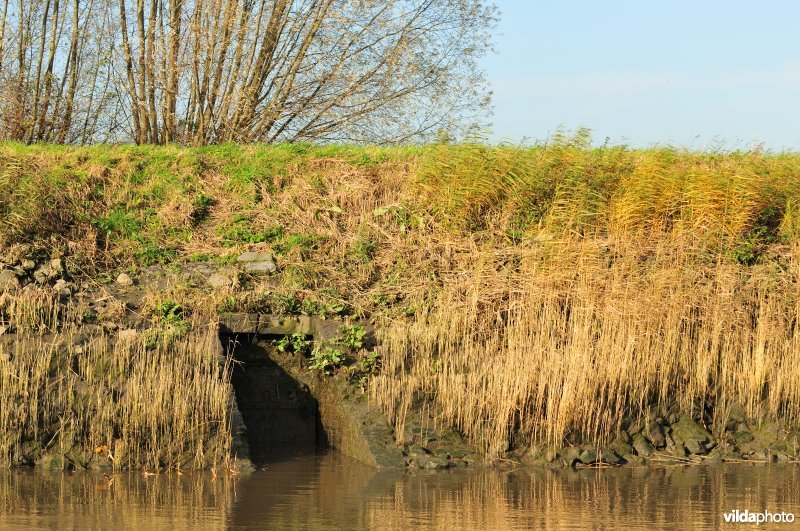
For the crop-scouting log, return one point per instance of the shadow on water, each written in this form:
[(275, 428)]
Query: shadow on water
[(281, 416), (327, 491)]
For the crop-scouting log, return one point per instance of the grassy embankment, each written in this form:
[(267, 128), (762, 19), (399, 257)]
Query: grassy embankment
[(543, 293)]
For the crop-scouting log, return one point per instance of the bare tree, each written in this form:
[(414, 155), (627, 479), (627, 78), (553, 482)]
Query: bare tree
[(208, 71), (59, 62)]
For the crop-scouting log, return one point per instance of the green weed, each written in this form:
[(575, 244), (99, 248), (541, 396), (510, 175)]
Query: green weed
[(326, 359)]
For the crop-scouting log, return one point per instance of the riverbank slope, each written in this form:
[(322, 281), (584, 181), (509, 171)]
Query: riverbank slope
[(550, 297)]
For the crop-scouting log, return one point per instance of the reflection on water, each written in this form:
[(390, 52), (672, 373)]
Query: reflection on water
[(330, 492)]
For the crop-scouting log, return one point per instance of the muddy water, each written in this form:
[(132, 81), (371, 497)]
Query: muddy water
[(326, 491)]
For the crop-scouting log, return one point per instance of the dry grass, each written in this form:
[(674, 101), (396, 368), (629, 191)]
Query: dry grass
[(573, 343), (154, 400)]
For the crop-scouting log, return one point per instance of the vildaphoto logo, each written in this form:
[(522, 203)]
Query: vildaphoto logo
[(746, 517)]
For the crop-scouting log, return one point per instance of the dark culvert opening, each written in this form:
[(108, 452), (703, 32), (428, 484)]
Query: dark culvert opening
[(280, 414)]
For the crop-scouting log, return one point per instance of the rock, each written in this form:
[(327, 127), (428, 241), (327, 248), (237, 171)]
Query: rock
[(28, 265), (204, 269), (57, 266), (415, 451), (127, 336), (588, 456), (8, 279), (124, 280), (458, 453), (440, 452), (258, 262), (737, 413), (624, 437), (779, 446), (261, 267), (635, 426), (692, 436), (792, 441), (676, 450), (655, 434), (250, 256), (570, 455), (621, 448), (432, 463), (43, 274), (643, 446), (218, 280), (695, 447), (607, 455), (53, 462), (742, 436), (62, 288), (632, 459), (762, 455)]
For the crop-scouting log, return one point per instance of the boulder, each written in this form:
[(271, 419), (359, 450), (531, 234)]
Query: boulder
[(57, 266), (622, 444), (259, 263), (695, 447), (624, 437), (655, 434), (607, 455), (588, 456), (643, 446), (218, 280), (124, 280), (62, 288), (43, 274), (432, 463), (8, 279), (692, 435), (570, 455), (415, 451), (632, 459)]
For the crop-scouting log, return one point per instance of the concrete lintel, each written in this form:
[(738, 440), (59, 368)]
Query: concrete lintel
[(267, 324)]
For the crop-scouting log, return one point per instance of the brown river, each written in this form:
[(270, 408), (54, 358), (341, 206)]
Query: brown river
[(327, 491)]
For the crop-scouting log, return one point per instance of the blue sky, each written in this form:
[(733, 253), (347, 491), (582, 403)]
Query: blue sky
[(694, 74)]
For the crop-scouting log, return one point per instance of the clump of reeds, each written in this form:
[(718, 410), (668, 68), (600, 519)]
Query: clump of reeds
[(142, 400), (575, 342)]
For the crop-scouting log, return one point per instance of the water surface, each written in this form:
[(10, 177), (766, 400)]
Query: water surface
[(327, 491)]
